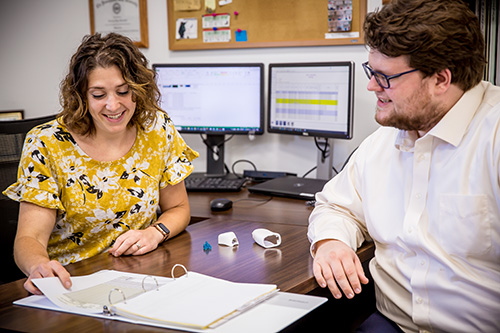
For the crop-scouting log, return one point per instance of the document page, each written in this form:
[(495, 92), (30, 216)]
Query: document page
[(90, 293), (195, 300)]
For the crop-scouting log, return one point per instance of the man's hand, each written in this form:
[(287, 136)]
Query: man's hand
[(47, 269), (337, 265)]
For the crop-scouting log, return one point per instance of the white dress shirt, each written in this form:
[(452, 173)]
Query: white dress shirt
[(432, 207)]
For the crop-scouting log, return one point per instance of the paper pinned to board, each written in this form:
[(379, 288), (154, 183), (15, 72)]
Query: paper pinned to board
[(210, 6), (186, 28), (186, 5), (216, 21), (339, 15), (217, 35)]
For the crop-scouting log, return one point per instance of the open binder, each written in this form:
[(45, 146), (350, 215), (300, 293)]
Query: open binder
[(192, 302)]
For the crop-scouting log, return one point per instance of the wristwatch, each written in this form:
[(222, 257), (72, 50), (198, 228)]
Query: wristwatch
[(163, 230)]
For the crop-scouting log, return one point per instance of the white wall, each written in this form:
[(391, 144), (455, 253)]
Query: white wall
[(37, 38)]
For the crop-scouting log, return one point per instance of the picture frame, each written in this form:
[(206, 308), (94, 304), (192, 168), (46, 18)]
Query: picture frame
[(128, 18), (11, 115)]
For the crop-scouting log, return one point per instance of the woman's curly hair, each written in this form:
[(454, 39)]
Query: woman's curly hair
[(435, 34), (106, 51)]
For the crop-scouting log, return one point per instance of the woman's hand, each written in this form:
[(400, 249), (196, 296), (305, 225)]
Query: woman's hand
[(47, 269), (136, 242), (175, 216), (30, 246)]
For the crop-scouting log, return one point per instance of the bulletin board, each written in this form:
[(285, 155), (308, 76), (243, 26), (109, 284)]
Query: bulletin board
[(261, 23)]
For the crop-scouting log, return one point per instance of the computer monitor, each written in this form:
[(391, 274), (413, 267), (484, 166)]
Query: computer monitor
[(312, 99), (213, 99)]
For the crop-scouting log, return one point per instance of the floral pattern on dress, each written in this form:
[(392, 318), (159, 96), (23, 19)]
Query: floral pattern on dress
[(97, 201)]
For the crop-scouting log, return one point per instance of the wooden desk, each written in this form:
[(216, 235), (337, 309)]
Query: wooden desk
[(289, 265), (251, 207)]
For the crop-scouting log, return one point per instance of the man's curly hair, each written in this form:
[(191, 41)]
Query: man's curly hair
[(435, 34)]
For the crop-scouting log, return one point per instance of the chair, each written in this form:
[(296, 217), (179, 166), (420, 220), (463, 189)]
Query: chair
[(12, 135)]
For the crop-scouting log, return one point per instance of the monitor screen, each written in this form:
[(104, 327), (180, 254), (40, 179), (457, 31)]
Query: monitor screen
[(314, 99), (213, 98)]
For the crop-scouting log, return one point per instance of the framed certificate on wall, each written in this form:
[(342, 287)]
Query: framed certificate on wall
[(11, 115), (125, 17)]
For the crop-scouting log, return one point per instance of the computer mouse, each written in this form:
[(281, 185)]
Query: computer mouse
[(220, 204)]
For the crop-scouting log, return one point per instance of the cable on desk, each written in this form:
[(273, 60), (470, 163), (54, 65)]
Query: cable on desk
[(238, 161), (263, 201), (309, 171)]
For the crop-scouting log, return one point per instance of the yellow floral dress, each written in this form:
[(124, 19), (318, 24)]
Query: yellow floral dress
[(97, 201)]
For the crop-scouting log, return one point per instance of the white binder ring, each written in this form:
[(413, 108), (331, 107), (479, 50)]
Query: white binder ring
[(175, 266), (111, 292), (156, 281)]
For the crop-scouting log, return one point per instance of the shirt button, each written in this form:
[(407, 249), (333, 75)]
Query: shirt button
[(421, 157), (419, 300), (418, 195), (422, 262)]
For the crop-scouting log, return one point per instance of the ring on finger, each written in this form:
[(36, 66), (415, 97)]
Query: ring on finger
[(138, 246)]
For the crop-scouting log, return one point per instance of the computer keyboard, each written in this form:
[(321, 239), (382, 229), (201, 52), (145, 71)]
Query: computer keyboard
[(214, 184)]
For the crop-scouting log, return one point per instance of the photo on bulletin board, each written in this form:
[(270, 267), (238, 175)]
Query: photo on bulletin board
[(186, 28), (128, 18), (11, 115)]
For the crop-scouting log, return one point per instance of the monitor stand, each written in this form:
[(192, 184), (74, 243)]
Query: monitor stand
[(215, 155), (324, 167)]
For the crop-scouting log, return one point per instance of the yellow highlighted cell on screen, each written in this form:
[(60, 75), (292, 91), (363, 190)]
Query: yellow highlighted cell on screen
[(306, 101)]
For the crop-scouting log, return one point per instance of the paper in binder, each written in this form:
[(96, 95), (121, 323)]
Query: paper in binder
[(193, 301)]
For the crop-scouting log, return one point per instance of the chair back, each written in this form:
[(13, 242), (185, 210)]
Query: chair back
[(12, 135)]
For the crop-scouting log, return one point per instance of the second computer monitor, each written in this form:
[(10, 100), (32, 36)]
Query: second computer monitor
[(312, 99)]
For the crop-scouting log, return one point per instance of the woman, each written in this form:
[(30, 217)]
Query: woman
[(92, 180)]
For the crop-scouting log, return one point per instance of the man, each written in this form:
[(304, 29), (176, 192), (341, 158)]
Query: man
[(425, 187)]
